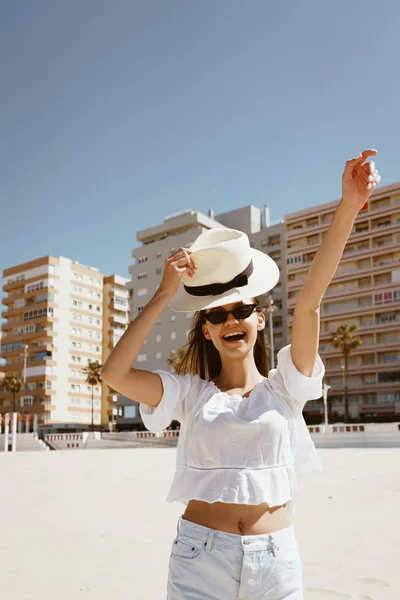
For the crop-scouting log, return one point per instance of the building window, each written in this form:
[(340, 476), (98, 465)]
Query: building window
[(142, 259), (158, 271), (172, 335), (158, 354), (142, 292), (172, 318), (158, 338), (142, 276), (130, 412), (158, 255), (142, 357)]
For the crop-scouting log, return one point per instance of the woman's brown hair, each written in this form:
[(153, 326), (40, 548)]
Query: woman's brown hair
[(200, 356)]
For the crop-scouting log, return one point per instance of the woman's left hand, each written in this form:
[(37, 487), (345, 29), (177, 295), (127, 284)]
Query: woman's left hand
[(359, 180)]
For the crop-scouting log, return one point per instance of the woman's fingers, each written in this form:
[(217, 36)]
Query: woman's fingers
[(181, 262), (370, 175), (183, 256)]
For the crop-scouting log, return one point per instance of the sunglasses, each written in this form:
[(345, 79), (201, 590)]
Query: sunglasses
[(220, 316)]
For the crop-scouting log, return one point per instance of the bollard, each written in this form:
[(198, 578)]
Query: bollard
[(14, 432)]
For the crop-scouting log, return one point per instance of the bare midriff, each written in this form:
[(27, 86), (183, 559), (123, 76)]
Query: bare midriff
[(243, 519)]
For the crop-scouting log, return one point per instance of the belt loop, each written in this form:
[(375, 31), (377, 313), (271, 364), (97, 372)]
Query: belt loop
[(178, 525), (209, 541)]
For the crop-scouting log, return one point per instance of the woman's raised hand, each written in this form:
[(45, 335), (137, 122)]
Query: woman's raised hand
[(175, 265), (359, 179)]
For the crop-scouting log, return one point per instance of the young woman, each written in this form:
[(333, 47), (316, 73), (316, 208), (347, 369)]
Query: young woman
[(243, 440)]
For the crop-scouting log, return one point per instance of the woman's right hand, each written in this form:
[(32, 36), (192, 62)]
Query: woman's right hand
[(175, 265)]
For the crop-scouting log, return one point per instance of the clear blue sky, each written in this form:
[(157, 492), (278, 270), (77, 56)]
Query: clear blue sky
[(117, 112)]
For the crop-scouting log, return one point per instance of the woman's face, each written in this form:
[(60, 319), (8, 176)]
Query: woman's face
[(236, 336)]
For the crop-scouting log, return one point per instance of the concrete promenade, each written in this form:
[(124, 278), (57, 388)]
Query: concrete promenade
[(94, 524)]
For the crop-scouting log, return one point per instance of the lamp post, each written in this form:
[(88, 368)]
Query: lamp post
[(24, 354), (325, 396), (344, 407), (271, 308)]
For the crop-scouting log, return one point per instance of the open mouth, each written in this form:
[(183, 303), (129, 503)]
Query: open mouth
[(234, 336)]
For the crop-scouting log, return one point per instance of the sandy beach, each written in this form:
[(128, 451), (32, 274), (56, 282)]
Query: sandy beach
[(94, 524)]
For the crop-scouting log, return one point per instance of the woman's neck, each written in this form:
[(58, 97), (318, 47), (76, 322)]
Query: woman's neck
[(240, 374)]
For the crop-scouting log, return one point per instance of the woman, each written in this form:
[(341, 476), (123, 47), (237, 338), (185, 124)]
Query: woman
[(243, 440)]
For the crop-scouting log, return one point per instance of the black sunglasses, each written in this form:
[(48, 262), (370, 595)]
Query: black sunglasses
[(220, 316)]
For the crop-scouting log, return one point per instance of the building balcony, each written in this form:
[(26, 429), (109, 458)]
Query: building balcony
[(120, 307), (314, 225), (119, 318)]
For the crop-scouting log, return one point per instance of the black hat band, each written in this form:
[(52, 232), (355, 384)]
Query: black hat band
[(215, 289)]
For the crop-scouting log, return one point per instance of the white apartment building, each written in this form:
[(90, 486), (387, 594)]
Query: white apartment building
[(180, 230), (55, 307)]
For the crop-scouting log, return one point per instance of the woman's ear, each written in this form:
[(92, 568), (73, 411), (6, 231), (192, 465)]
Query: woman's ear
[(206, 332), (260, 321)]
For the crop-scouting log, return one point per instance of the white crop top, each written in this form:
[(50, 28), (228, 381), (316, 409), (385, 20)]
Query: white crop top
[(240, 450)]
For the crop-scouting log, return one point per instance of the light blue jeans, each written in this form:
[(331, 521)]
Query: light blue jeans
[(208, 564)]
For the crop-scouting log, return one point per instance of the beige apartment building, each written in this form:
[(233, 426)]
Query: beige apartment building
[(365, 292), (115, 322), (55, 307), (66, 314)]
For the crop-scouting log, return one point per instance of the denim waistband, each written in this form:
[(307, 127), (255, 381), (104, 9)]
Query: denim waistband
[(236, 540)]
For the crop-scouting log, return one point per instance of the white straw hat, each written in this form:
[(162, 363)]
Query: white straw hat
[(228, 270)]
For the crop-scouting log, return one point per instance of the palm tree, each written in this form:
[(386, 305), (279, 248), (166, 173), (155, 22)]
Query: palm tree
[(93, 378), (175, 358), (13, 383), (346, 340)]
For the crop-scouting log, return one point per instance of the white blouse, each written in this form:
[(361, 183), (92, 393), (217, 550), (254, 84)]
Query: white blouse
[(240, 450)]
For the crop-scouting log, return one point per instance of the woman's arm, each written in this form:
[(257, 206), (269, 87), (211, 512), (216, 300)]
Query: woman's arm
[(117, 372), (357, 183)]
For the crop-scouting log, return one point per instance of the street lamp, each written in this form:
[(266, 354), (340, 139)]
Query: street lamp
[(271, 308), (344, 408)]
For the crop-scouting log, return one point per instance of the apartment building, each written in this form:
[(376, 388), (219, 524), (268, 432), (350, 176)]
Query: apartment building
[(55, 307), (365, 292), (170, 332), (115, 322)]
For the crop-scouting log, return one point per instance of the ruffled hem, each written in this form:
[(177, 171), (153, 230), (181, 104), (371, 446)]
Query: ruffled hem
[(275, 486)]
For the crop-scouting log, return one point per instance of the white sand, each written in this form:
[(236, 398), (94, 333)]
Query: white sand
[(94, 525)]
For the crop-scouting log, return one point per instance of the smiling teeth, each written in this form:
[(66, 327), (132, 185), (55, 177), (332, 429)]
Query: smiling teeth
[(233, 333)]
